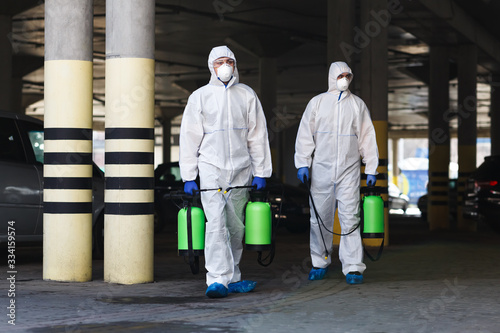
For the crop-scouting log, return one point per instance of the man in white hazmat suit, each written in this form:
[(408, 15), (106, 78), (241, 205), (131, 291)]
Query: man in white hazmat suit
[(334, 132), (224, 138)]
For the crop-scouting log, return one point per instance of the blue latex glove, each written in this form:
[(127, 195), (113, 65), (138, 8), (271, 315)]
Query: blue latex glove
[(304, 171), (190, 187), (371, 180), (260, 183)]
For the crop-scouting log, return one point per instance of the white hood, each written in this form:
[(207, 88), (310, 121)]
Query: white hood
[(216, 53), (337, 68)]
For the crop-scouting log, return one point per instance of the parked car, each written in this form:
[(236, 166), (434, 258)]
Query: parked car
[(482, 193), (21, 181), (452, 201), (397, 200), (289, 203), (167, 180)]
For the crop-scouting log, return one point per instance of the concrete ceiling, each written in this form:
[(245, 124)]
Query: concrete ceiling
[(292, 32)]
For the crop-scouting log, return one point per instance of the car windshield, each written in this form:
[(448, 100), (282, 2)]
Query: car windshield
[(170, 174), (36, 139)]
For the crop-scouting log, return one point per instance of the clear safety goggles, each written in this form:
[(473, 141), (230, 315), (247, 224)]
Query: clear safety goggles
[(220, 62), (343, 75)]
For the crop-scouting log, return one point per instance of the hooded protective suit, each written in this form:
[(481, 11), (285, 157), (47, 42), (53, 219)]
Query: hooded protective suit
[(334, 132), (224, 138)]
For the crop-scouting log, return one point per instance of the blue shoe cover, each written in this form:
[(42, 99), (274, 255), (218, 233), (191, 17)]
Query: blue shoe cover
[(354, 278), (216, 290), (241, 287), (317, 273)]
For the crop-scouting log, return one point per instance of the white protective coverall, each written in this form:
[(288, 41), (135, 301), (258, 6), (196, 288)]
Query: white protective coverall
[(332, 135), (224, 138)]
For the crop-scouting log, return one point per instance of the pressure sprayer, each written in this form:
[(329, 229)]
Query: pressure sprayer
[(259, 231), (191, 227), (372, 218)]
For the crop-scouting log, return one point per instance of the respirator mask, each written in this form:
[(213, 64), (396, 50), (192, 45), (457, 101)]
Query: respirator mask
[(343, 84), (225, 72)]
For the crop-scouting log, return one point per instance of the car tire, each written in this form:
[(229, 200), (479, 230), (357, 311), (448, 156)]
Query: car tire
[(98, 235)]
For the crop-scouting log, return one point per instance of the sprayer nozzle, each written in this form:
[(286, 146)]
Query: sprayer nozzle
[(225, 192), (219, 190), (326, 258)]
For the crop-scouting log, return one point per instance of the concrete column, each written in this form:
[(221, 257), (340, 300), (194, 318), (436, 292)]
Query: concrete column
[(5, 62), (67, 218), (269, 100), (495, 114), (374, 92), (340, 32), (467, 125), (395, 167), (373, 78), (128, 223), (439, 139)]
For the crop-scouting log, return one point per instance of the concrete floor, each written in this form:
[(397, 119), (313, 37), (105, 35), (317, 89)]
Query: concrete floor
[(424, 282)]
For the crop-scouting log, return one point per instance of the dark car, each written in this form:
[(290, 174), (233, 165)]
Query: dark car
[(452, 201), (167, 180), (21, 181), (289, 203), (482, 193)]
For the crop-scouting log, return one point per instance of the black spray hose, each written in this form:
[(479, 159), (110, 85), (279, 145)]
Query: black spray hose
[(308, 183), (272, 252)]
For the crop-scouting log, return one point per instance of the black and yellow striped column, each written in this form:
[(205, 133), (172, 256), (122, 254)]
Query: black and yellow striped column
[(129, 157), (495, 114), (373, 78), (67, 218), (382, 178), (439, 140), (467, 126), (374, 83)]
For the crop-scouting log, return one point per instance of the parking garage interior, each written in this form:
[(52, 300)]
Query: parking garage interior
[(427, 70)]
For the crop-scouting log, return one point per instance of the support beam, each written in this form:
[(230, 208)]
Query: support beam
[(340, 32), (439, 139), (129, 198), (67, 196), (495, 114), (374, 83), (269, 99), (467, 125), (461, 21)]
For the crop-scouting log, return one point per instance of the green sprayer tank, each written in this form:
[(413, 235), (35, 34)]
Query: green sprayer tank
[(191, 231), (373, 213), (258, 223)]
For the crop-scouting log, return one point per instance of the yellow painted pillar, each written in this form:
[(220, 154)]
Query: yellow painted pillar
[(129, 157), (67, 218), (467, 126), (439, 139), (373, 78)]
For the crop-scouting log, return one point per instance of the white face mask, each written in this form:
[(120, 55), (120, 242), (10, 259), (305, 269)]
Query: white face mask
[(225, 72), (343, 84)]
